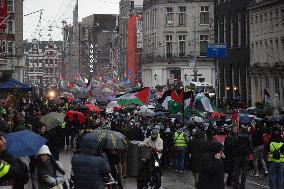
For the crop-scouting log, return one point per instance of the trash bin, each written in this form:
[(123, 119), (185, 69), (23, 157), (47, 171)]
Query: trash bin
[(133, 159)]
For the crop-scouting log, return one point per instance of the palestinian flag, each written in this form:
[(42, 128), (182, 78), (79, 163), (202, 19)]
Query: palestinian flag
[(188, 102), (202, 103), (171, 101), (139, 97)]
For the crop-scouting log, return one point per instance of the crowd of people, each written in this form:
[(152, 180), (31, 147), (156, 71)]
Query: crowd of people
[(209, 152)]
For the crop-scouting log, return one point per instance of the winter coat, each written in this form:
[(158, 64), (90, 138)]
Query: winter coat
[(89, 167), (212, 173), (18, 170), (41, 169), (257, 137), (229, 153), (197, 148)]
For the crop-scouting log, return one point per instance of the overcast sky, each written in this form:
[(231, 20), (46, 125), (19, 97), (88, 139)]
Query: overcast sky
[(57, 10)]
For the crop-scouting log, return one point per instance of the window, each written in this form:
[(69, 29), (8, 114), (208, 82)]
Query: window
[(169, 46), (201, 79), (276, 84), (203, 45), (169, 16), (10, 6), (181, 45), (266, 82), (182, 14), (239, 30), (231, 33), (224, 29), (204, 15), (11, 47)]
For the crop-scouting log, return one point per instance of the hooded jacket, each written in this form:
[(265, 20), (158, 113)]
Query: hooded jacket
[(89, 167), (212, 169)]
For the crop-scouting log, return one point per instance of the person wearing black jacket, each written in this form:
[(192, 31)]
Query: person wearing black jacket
[(212, 168), (229, 161), (242, 148), (13, 170)]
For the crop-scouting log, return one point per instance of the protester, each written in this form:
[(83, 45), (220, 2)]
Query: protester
[(198, 147), (276, 160), (258, 147), (242, 148), (229, 161), (212, 169), (12, 170), (154, 142), (91, 159), (180, 143), (44, 170)]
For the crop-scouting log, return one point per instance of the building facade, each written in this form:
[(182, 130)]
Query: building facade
[(96, 44), (43, 60), (175, 37), (232, 28), (11, 40), (127, 10), (267, 50)]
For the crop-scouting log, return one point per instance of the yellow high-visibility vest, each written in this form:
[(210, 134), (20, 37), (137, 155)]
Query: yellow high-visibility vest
[(272, 147), (180, 140), (4, 168)]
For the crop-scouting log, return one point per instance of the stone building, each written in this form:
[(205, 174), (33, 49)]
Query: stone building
[(43, 60), (175, 34), (232, 28), (11, 41), (267, 50)]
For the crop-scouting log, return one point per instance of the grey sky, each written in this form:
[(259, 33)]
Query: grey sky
[(57, 10)]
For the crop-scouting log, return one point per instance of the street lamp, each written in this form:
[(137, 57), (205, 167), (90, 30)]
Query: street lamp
[(235, 88), (227, 88)]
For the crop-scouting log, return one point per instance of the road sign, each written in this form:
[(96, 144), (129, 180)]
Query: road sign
[(217, 50)]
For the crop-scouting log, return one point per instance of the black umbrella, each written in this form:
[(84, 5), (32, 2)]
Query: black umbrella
[(110, 139), (80, 108)]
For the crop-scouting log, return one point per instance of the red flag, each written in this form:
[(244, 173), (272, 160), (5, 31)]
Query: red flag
[(235, 119)]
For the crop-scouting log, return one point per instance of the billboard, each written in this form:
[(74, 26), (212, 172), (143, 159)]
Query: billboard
[(3, 13)]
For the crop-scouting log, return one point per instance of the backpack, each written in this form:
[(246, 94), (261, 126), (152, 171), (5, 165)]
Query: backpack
[(276, 153)]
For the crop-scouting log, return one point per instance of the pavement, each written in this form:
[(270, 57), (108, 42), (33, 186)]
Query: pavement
[(170, 179)]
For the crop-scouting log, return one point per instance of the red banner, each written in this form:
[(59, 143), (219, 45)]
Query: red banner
[(3, 13), (131, 49)]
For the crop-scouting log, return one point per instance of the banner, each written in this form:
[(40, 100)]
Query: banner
[(3, 13)]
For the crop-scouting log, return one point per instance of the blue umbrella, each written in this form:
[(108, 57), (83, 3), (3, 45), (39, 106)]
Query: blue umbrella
[(24, 143), (245, 119)]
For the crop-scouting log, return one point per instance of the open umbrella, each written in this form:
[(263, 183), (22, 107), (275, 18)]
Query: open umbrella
[(56, 101), (80, 108), (24, 143), (146, 112), (67, 94), (72, 113), (52, 120), (110, 139), (93, 108), (244, 119)]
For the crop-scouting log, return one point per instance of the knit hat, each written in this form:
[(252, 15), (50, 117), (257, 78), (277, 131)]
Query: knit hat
[(215, 147), (44, 150)]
